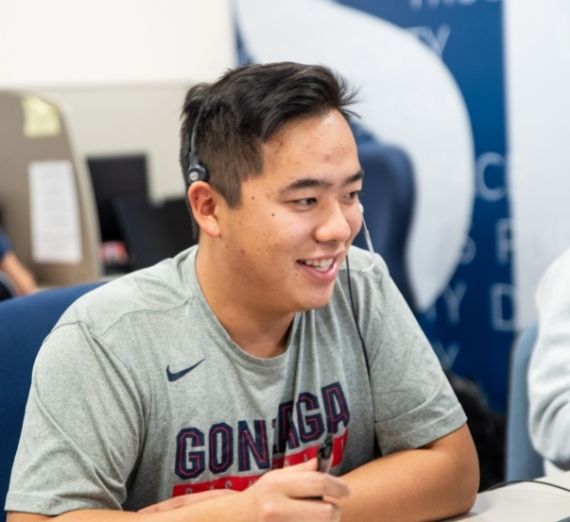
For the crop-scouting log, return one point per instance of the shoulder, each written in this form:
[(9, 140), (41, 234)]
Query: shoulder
[(124, 323), (366, 289), (160, 288)]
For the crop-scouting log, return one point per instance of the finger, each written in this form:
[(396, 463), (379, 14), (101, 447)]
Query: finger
[(309, 465), (185, 500), (324, 485), (312, 484)]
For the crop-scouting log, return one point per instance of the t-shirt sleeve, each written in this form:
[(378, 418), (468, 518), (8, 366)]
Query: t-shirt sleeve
[(82, 429), (414, 403)]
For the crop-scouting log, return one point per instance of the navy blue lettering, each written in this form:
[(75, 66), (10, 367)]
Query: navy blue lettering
[(311, 426), (275, 449), (287, 432), (336, 408), (298, 423), (221, 447), (189, 464), (253, 445)]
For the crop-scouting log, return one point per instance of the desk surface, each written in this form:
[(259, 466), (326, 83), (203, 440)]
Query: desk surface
[(523, 502)]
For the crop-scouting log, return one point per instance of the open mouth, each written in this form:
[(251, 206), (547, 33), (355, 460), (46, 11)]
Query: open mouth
[(320, 265)]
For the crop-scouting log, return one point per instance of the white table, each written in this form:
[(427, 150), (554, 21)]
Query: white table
[(523, 502)]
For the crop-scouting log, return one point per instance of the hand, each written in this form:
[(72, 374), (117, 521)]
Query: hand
[(186, 500), (290, 494)]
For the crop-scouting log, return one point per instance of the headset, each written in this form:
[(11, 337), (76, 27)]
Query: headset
[(374, 259), (197, 171), (367, 239), (370, 247)]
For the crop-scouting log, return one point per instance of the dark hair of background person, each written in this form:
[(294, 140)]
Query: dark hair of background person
[(232, 117)]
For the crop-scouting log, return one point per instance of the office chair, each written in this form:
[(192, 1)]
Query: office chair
[(24, 322), (522, 461), (388, 198), (35, 133)]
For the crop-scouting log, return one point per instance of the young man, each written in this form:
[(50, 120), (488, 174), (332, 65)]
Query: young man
[(214, 376)]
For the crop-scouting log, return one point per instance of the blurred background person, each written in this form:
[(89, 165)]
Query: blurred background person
[(15, 278), (549, 371)]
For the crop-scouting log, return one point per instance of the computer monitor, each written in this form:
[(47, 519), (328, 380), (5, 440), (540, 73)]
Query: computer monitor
[(113, 177)]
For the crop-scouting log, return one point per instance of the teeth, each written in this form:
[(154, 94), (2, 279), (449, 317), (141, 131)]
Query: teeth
[(321, 265)]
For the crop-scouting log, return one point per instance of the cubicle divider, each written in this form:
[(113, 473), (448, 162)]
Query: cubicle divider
[(46, 199)]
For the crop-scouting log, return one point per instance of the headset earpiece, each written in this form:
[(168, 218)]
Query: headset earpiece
[(197, 171), (361, 208)]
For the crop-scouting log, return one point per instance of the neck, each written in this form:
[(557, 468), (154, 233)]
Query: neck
[(255, 328)]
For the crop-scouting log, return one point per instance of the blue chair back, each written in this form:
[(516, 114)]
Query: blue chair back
[(24, 322), (388, 198), (522, 461)]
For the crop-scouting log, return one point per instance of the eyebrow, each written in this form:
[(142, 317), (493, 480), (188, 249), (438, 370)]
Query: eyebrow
[(305, 183)]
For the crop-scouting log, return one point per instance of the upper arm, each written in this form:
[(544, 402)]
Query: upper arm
[(459, 450), (75, 384), (458, 445), (18, 273)]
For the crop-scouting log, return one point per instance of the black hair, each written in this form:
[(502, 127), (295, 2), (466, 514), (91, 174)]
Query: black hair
[(228, 120)]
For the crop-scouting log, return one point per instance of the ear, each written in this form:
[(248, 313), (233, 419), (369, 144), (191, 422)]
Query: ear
[(203, 201)]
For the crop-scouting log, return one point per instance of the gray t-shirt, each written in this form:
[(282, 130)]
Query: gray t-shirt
[(139, 394)]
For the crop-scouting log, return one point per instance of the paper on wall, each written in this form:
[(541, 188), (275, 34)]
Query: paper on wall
[(56, 236), (41, 119)]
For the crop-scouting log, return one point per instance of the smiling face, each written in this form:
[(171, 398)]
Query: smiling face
[(283, 244)]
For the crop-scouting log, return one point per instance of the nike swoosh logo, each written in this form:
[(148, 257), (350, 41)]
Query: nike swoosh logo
[(174, 376)]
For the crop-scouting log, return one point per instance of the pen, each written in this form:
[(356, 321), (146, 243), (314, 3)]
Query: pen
[(324, 459), (324, 455)]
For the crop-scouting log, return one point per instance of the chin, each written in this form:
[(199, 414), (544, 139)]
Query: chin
[(316, 302)]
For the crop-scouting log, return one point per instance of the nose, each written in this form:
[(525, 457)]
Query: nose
[(337, 224)]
